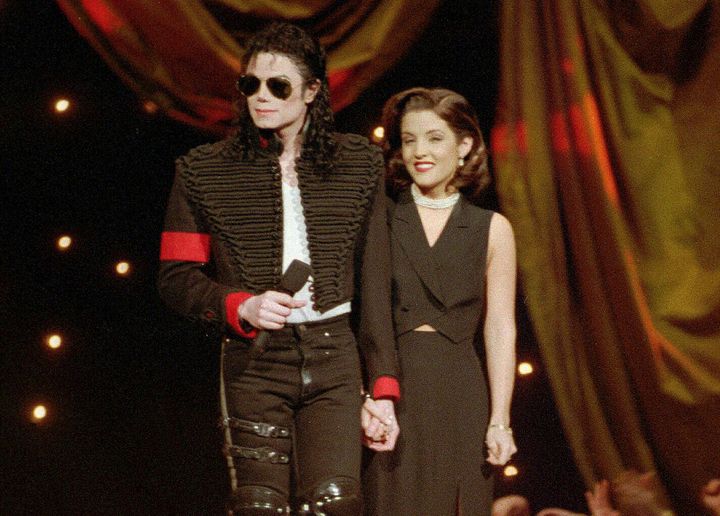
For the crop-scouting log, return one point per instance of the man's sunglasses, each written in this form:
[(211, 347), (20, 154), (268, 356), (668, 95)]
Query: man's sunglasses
[(249, 85)]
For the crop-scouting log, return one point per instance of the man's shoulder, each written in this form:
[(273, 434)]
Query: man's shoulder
[(209, 157), (208, 151), (355, 142), (358, 152)]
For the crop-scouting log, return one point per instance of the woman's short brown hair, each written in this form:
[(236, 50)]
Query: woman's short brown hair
[(474, 176)]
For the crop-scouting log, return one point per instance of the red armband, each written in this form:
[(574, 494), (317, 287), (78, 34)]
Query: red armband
[(184, 247)]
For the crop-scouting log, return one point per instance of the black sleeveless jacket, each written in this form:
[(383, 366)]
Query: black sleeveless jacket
[(442, 285)]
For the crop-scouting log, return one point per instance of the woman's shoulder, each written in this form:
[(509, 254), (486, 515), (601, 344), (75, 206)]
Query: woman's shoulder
[(478, 212), (501, 230)]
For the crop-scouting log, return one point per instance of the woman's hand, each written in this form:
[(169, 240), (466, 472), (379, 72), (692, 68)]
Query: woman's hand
[(500, 444), (379, 425)]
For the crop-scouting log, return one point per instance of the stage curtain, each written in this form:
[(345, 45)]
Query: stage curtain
[(607, 156), (183, 56)]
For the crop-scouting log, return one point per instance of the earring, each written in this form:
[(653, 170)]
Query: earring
[(461, 162)]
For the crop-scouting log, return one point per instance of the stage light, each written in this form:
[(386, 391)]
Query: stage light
[(510, 471), (525, 368), (39, 412), (378, 134), (64, 242), (150, 107), (122, 268), (62, 105), (54, 341)]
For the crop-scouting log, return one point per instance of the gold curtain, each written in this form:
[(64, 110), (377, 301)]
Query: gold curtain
[(607, 151), (183, 56)]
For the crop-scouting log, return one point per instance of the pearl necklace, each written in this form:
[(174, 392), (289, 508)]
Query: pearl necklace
[(434, 204)]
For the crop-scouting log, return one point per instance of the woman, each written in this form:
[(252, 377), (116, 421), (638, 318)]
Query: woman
[(453, 286)]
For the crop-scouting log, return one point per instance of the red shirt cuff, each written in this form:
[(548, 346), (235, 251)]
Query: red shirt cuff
[(386, 387), (232, 302)]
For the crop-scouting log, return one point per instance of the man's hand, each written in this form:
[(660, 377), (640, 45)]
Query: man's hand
[(269, 310), (379, 425)]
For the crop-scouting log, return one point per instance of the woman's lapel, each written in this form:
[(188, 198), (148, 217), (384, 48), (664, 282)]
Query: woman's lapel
[(407, 229)]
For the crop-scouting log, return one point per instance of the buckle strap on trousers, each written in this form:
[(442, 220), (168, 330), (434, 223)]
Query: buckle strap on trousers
[(264, 454), (253, 427)]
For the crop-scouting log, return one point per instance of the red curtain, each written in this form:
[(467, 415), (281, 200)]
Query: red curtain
[(183, 56), (606, 150)]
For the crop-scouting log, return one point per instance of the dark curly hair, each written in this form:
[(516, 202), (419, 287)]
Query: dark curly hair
[(308, 55), (474, 176)]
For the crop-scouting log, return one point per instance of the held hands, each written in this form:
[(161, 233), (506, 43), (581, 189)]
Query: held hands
[(379, 425), (500, 444), (269, 310)]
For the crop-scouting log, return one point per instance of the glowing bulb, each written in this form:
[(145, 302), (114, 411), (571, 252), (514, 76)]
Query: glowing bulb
[(378, 133), (62, 105), (510, 471), (150, 107), (525, 368), (54, 341), (122, 268), (64, 242), (39, 412)]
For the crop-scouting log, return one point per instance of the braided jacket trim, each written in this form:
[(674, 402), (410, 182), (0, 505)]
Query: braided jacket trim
[(240, 201)]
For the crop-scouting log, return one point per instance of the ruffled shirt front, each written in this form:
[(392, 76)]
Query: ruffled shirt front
[(295, 246)]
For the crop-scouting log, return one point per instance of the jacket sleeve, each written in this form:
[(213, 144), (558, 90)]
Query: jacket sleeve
[(375, 333), (183, 282)]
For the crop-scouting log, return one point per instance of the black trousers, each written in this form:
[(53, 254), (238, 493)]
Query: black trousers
[(305, 386)]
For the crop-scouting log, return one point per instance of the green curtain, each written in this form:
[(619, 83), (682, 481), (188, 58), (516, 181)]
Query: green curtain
[(607, 155), (183, 56)]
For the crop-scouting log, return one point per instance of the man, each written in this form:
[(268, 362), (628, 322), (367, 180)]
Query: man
[(287, 187)]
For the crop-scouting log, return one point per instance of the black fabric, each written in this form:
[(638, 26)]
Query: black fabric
[(308, 379), (235, 198), (438, 461), (240, 202), (438, 466), (442, 285)]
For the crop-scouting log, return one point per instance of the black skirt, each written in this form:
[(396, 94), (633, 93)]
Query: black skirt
[(438, 466)]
